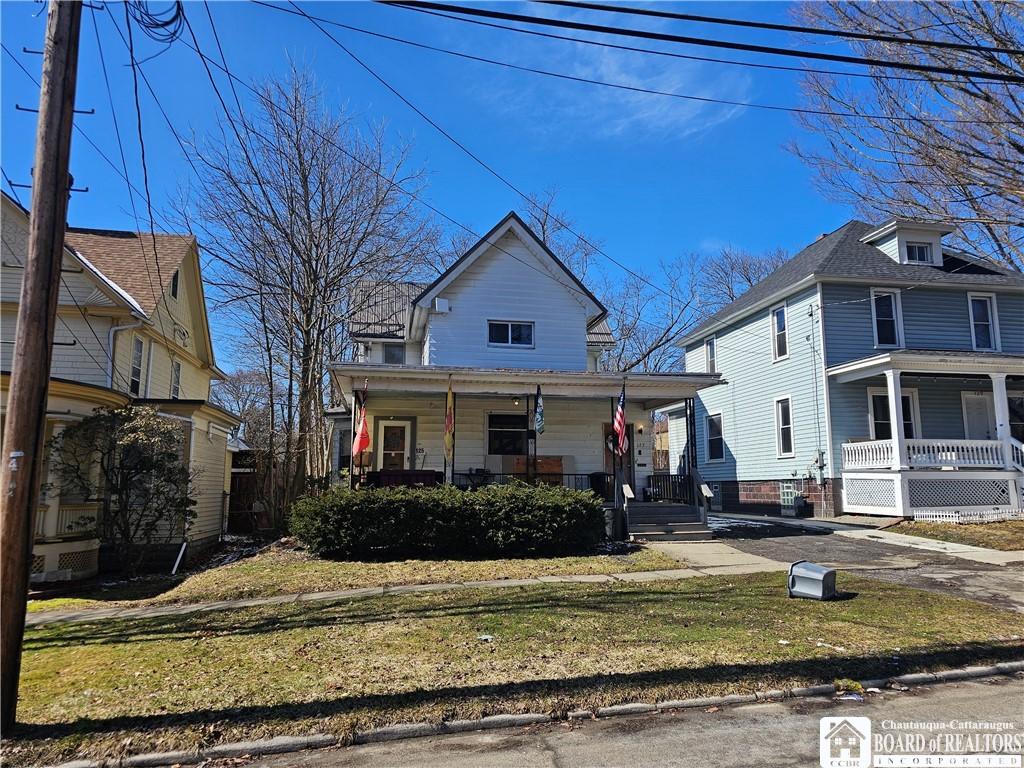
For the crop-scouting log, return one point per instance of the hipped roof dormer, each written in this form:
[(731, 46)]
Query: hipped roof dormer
[(907, 241)]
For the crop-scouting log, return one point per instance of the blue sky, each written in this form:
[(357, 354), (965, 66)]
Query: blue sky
[(646, 176)]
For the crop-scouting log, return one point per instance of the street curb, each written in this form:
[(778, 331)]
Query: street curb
[(286, 744)]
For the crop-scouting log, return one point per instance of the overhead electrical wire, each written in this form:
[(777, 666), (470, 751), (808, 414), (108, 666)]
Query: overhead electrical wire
[(807, 30), (632, 88), (669, 54), (707, 42)]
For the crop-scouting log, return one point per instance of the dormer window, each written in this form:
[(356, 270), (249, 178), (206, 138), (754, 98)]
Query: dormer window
[(394, 354), (919, 253)]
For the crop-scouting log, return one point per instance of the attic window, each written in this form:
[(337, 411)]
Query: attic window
[(174, 284), (506, 334), (919, 253)]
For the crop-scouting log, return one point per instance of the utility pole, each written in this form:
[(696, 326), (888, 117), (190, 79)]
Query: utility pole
[(23, 450)]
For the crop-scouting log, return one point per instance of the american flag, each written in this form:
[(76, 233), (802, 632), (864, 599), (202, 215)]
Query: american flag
[(619, 424)]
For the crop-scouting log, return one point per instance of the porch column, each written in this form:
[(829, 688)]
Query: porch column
[(50, 496), (899, 440), (1002, 409)]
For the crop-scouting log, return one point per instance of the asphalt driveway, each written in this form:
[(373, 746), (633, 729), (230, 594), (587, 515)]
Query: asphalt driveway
[(1000, 585)]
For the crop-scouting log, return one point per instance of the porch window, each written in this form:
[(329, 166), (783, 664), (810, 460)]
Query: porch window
[(885, 313), (509, 334), (984, 333), (881, 426), (1015, 401), (783, 427), (780, 334), (506, 434), (711, 355), (715, 438), (394, 354), (135, 377)]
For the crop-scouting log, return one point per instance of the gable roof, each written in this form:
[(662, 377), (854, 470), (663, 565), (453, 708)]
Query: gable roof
[(841, 255), (511, 220), (128, 259), (383, 310)]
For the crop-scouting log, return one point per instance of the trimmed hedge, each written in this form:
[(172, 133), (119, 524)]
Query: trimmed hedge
[(445, 522)]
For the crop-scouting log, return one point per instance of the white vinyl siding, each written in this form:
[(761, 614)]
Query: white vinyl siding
[(984, 321), (510, 283), (886, 318), (784, 448), (780, 332)]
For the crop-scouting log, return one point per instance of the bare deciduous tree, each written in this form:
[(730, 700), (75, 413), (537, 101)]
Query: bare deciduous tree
[(926, 145), (296, 206), (731, 272)]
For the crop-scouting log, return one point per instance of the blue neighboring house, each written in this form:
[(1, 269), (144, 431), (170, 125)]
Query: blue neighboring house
[(876, 372)]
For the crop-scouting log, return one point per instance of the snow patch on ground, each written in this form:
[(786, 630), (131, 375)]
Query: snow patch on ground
[(725, 523)]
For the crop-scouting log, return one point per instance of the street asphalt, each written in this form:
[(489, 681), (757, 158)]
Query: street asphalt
[(784, 733)]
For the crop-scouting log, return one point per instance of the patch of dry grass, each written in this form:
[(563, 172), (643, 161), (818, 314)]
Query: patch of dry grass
[(284, 571), (129, 686), (1007, 536)]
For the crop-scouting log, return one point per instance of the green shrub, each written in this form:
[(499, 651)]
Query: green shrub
[(444, 522)]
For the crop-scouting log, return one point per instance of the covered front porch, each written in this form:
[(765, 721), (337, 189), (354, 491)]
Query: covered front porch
[(929, 431), (494, 437)]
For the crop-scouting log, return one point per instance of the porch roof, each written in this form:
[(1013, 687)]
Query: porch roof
[(949, 361), (654, 390)]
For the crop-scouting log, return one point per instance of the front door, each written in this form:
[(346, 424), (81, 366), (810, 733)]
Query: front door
[(393, 445), (979, 416), (623, 463)]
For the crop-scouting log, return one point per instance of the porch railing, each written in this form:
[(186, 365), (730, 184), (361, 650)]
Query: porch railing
[(668, 487), (598, 482), (871, 454), (923, 454), (955, 453), (72, 521), (1017, 454)]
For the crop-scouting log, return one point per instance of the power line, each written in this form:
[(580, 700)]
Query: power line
[(633, 88), (669, 38), (669, 54), (880, 37)]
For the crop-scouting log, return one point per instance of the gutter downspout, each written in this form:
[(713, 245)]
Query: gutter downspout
[(114, 329)]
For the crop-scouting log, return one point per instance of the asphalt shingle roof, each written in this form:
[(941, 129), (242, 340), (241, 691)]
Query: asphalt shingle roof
[(128, 259), (841, 254)]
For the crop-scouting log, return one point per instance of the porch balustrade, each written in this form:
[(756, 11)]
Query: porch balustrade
[(72, 521), (926, 454)]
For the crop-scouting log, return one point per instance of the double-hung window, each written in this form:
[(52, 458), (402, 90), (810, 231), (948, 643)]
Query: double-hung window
[(715, 437), (506, 434), (135, 377), (711, 355), (509, 334), (919, 253), (784, 428), (984, 325), (885, 315), (175, 380), (780, 333), (881, 423)]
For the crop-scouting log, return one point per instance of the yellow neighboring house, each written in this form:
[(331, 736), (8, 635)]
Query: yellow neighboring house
[(131, 327)]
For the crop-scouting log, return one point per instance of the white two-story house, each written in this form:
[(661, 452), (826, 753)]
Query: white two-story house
[(505, 318)]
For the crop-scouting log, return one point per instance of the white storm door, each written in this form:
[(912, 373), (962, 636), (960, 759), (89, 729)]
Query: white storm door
[(979, 416)]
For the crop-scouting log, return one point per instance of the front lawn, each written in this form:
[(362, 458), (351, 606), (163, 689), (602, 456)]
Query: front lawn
[(128, 686), (283, 571), (1007, 536)]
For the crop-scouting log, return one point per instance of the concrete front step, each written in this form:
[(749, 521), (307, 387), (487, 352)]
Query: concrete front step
[(666, 527), (660, 519), (699, 534)]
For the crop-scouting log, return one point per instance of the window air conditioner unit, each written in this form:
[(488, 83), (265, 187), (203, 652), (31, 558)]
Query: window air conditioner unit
[(441, 305)]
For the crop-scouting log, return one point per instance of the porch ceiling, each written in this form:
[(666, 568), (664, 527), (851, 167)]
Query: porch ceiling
[(654, 390), (929, 361)]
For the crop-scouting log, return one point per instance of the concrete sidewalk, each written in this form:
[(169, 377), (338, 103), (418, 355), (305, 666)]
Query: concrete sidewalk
[(714, 558)]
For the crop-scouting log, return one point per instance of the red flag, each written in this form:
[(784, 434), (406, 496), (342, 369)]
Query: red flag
[(362, 438)]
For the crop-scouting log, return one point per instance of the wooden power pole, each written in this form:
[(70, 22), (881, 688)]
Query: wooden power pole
[(23, 449)]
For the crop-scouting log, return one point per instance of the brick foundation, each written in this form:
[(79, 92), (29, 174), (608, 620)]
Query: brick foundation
[(761, 497)]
